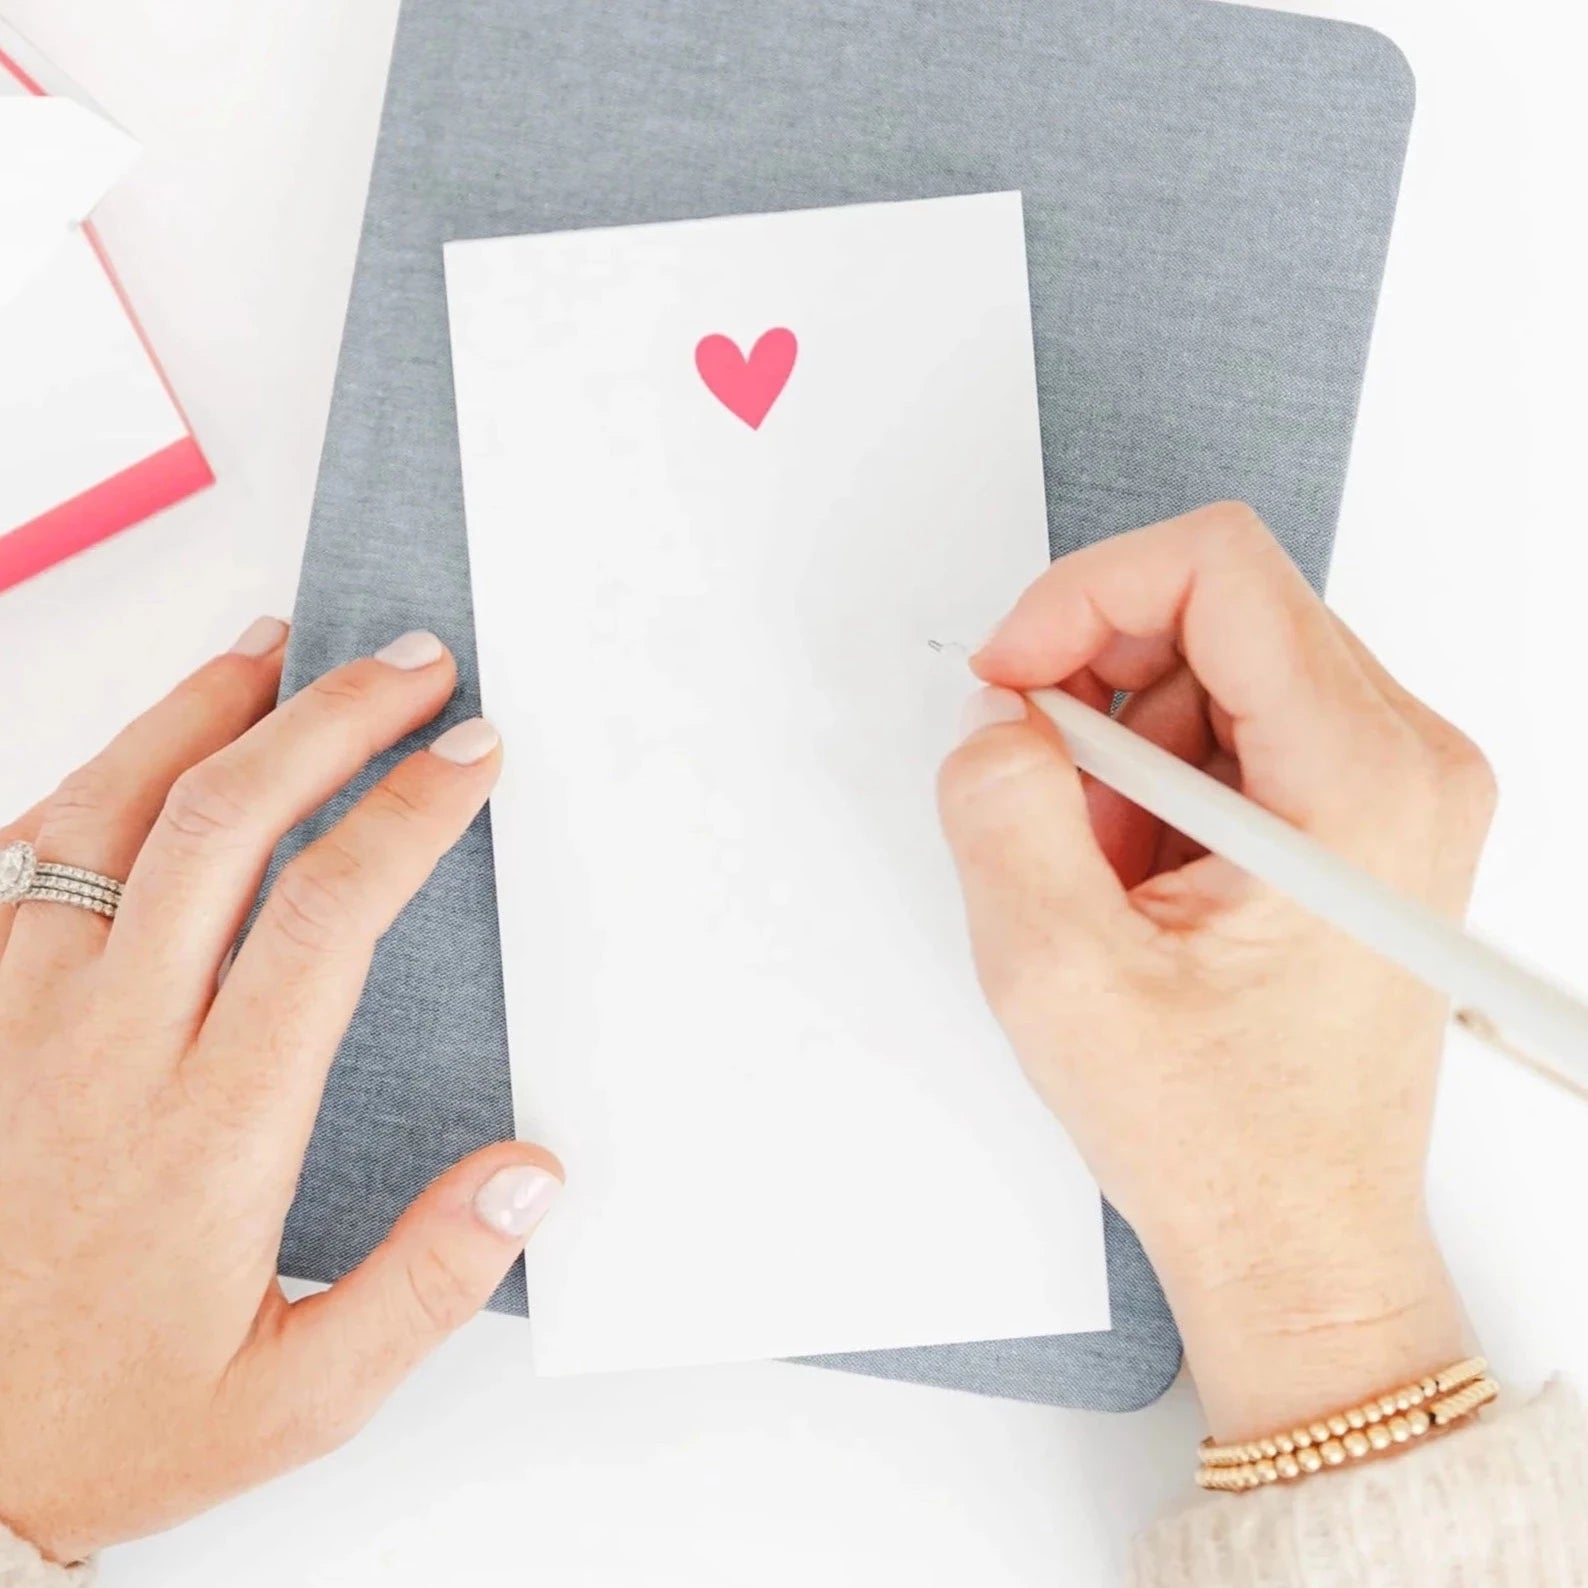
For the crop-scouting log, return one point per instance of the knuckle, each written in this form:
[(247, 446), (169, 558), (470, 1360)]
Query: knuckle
[(344, 703), (1464, 773), (85, 795), (975, 773), (397, 801), (218, 680), (347, 686), (440, 1296), (206, 802), (228, 688), (960, 784), (958, 779), (310, 904), (1428, 777)]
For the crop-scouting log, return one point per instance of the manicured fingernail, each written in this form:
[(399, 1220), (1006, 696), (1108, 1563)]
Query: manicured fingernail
[(514, 1201), (987, 708), (467, 742), (260, 638), (410, 651)]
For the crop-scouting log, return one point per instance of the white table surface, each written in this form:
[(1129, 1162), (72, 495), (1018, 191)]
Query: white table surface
[(1461, 558)]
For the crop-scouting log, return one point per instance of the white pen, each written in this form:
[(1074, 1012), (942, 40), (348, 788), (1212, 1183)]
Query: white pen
[(1521, 1013)]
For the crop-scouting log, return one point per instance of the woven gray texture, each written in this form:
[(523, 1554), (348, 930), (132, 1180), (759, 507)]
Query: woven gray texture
[(1208, 194)]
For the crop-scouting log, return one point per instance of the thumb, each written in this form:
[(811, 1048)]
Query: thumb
[(354, 1343), (1040, 896)]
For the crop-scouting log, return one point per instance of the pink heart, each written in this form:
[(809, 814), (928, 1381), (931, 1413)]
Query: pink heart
[(747, 387)]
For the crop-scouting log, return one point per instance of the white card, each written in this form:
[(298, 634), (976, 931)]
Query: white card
[(81, 398), (740, 999), (91, 437)]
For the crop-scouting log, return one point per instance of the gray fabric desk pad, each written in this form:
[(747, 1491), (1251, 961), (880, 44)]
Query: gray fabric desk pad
[(1208, 191)]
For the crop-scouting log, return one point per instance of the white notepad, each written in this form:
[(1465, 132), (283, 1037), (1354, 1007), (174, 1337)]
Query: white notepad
[(724, 479)]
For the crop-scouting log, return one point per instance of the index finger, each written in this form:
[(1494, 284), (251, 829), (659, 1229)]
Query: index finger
[(1216, 588)]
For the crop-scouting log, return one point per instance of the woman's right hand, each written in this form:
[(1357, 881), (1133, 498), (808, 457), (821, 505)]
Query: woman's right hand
[(1253, 1089)]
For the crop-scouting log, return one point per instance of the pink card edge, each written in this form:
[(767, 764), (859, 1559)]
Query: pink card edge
[(9, 65), (160, 481)]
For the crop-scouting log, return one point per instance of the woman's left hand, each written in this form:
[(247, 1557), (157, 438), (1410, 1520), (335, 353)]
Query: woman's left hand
[(154, 1126)]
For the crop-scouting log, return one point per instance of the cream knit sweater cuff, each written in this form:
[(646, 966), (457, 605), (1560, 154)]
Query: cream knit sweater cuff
[(21, 1566), (1500, 1505)]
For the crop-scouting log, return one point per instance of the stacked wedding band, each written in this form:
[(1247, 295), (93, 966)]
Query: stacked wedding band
[(1400, 1418), (25, 878)]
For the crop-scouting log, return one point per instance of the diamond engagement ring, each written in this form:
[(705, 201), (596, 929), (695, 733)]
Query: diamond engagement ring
[(24, 877)]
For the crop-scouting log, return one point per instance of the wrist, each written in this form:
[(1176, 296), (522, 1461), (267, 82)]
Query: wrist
[(1280, 1341)]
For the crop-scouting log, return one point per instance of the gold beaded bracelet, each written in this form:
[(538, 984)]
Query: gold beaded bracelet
[(1400, 1418)]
